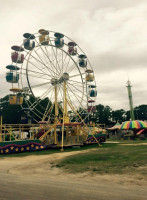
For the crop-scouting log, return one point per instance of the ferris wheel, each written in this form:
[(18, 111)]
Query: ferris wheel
[(47, 69)]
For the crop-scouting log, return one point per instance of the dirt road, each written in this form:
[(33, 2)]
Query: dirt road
[(35, 178)]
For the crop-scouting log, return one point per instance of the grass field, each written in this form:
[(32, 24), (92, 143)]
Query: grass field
[(112, 158)]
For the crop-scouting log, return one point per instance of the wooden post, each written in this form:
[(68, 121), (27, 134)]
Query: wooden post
[(78, 133), (67, 130), (4, 133), (1, 130), (56, 115), (10, 133)]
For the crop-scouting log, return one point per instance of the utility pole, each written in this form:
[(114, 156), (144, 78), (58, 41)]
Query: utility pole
[(130, 100)]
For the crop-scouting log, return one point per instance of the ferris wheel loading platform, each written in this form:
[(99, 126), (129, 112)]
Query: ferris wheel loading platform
[(29, 137)]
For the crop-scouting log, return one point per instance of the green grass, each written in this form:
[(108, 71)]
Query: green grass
[(110, 158)]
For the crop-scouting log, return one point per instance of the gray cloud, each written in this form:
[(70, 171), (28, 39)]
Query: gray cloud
[(112, 33)]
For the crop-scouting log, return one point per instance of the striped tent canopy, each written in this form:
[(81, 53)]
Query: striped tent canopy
[(115, 127), (136, 124)]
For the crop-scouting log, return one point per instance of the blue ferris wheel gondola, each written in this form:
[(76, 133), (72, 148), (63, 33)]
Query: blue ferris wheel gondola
[(12, 76), (28, 43), (82, 60), (93, 93), (59, 41)]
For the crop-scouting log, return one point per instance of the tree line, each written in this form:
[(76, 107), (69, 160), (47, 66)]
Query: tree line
[(102, 115)]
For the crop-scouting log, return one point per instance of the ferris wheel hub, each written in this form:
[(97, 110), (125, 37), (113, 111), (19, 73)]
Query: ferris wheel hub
[(64, 77), (54, 81)]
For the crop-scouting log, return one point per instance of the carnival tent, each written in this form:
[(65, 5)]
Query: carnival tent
[(115, 127), (135, 124)]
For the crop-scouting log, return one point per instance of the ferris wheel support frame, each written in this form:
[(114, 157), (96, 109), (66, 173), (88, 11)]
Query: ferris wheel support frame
[(47, 58)]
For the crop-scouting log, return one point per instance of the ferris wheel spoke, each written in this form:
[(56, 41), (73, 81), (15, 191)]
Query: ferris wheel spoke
[(32, 109), (76, 89), (55, 56), (46, 56), (39, 112), (34, 104), (57, 61), (69, 96), (67, 65), (54, 59), (76, 96), (47, 110), (27, 51), (52, 64), (40, 69), (36, 115), (76, 110), (41, 61), (41, 97), (77, 86), (64, 62), (77, 75), (36, 72), (72, 68), (73, 93), (40, 77), (61, 61), (47, 92), (39, 85)]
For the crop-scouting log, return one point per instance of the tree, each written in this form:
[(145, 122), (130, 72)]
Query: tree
[(141, 112), (118, 116), (10, 113), (103, 114), (99, 113)]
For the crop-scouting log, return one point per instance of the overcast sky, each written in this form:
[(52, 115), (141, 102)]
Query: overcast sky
[(112, 33)]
